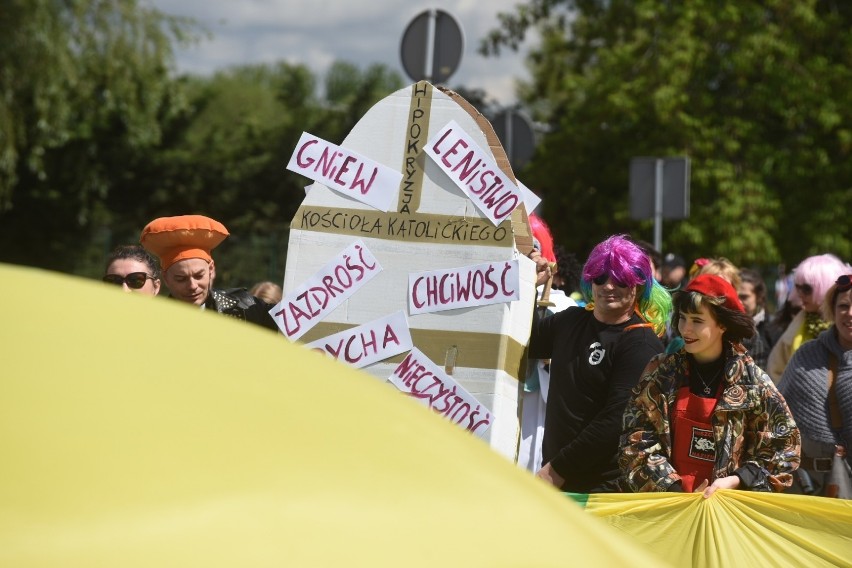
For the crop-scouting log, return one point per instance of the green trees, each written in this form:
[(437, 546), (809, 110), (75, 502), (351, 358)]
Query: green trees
[(85, 87), (98, 136), (758, 94)]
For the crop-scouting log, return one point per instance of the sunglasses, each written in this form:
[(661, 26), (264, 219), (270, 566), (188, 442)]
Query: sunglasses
[(844, 283), (601, 280), (805, 289), (134, 280)]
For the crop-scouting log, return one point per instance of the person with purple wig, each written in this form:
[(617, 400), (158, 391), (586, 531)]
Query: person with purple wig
[(597, 355)]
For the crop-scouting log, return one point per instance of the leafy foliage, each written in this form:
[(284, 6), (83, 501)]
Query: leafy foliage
[(758, 94), (99, 137)]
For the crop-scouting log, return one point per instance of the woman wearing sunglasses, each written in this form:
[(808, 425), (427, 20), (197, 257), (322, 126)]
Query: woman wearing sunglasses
[(134, 269), (811, 279), (706, 417), (805, 385)]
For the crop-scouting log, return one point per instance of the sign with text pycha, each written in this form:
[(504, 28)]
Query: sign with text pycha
[(366, 344)]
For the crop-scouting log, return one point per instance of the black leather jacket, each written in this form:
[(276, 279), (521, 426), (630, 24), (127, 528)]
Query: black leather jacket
[(239, 304)]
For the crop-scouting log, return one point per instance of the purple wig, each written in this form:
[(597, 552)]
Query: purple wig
[(621, 259)]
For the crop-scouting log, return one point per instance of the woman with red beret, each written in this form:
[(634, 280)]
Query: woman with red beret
[(706, 417)]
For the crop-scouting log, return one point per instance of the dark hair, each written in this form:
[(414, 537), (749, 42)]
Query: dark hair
[(569, 268), (655, 255), (738, 325), (137, 253), (754, 278)]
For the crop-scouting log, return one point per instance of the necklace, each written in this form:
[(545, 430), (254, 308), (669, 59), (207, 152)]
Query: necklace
[(707, 389)]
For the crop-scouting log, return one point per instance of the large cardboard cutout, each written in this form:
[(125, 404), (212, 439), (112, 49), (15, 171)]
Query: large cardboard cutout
[(434, 228)]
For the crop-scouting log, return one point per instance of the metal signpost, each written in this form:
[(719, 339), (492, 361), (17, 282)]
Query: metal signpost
[(516, 133), (432, 46), (659, 188)]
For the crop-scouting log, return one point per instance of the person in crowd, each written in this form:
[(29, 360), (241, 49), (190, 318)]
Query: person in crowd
[(783, 286), (706, 417), (183, 245), (781, 319), (567, 276), (537, 382), (269, 292), (811, 278), (720, 266), (752, 293), (673, 272), (597, 354), (134, 269), (806, 386), (655, 256)]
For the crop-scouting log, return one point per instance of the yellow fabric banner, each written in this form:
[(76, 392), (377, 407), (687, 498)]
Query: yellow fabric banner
[(139, 431), (732, 528)]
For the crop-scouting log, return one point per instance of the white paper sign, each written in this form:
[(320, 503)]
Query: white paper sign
[(324, 291), (531, 200), (420, 378), (476, 285), (345, 171), (474, 172), (374, 341)]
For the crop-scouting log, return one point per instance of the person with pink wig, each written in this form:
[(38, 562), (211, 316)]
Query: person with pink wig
[(811, 279), (597, 354)]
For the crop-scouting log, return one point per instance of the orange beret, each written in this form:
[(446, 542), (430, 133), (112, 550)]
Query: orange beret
[(185, 236)]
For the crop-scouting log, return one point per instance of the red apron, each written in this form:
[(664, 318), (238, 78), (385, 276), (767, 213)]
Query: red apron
[(694, 451)]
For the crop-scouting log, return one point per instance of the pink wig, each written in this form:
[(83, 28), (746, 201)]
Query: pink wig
[(820, 272), (541, 232)]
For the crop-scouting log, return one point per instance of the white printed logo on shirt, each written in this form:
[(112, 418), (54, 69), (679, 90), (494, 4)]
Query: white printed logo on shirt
[(597, 354)]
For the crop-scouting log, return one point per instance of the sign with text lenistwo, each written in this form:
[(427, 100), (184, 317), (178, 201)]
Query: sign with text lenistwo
[(366, 344), (474, 171), (308, 304), (466, 286), (345, 171), (420, 378)]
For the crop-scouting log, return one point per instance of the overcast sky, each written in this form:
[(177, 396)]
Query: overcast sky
[(319, 32)]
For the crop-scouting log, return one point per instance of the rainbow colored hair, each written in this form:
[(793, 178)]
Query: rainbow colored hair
[(622, 260)]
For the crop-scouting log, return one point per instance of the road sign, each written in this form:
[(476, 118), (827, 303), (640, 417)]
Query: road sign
[(432, 46), (674, 183), (659, 188), (516, 133)]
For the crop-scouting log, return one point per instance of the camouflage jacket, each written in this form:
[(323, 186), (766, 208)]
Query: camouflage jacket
[(751, 425)]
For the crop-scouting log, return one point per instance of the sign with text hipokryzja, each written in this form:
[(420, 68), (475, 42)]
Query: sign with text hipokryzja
[(368, 343), (462, 287), (475, 172), (420, 378), (345, 171), (308, 304)]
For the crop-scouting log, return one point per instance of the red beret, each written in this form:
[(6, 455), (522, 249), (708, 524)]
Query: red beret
[(717, 287), (185, 236)]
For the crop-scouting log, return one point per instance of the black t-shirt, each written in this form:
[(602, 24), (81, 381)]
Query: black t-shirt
[(594, 367)]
